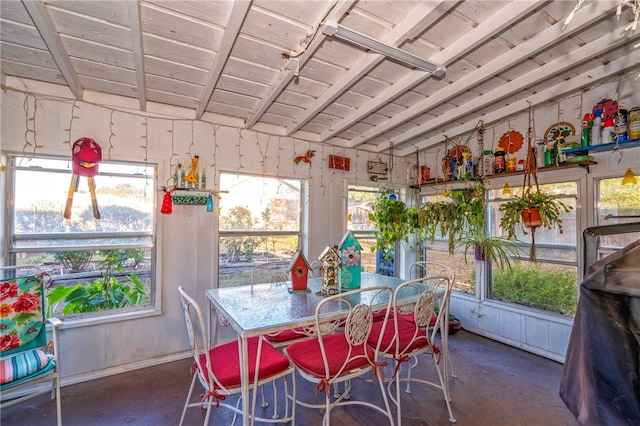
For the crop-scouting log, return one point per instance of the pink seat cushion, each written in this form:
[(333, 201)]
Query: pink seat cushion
[(307, 356), (226, 362), (406, 333), (286, 336)]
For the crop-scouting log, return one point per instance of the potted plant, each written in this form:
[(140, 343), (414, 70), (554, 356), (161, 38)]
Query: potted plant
[(461, 213), (531, 210), (496, 249), (394, 219)]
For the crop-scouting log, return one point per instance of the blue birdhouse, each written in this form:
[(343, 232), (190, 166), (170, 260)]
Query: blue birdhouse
[(350, 252)]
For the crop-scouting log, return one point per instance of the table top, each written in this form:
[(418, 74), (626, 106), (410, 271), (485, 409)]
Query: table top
[(258, 309)]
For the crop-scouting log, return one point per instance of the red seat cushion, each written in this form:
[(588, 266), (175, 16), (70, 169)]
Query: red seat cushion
[(410, 336), (225, 360), (307, 356), (411, 318), (286, 335)]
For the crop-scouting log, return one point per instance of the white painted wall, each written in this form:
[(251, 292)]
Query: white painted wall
[(49, 121), (187, 239)]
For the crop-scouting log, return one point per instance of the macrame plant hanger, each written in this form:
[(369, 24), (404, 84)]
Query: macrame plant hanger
[(529, 171)]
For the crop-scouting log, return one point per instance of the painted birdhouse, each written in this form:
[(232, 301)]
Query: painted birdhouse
[(299, 269), (329, 266), (350, 251)]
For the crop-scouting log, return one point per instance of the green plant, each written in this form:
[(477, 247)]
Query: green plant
[(74, 261), (496, 249), (462, 214), (542, 288), (550, 207), (394, 219), (104, 293)]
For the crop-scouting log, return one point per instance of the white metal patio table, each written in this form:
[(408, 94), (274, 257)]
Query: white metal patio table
[(259, 309)]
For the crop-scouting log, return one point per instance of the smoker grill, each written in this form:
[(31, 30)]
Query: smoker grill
[(601, 378)]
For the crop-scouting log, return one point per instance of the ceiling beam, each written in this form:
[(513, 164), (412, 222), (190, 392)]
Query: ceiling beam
[(294, 64), (138, 56), (234, 24), (573, 59), (517, 55), (43, 23), (587, 79), (456, 50), (417, 21)]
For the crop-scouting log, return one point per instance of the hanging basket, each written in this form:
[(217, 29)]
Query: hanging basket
[(531, 218)]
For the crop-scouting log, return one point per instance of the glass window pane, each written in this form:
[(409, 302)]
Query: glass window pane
[(617, 204), (259, 203), (95, 264)]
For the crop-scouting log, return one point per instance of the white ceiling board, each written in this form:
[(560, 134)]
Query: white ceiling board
[(209, 58)]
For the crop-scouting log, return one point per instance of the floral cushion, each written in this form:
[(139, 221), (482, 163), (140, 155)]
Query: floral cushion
[(21, 311)]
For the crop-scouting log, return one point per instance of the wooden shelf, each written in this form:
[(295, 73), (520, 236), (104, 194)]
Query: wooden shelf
[(568, 165)]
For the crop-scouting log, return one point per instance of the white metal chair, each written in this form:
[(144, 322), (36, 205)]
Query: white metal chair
[(338, 357), (403, 340), (430, 268), (220, 375), (26, 359)]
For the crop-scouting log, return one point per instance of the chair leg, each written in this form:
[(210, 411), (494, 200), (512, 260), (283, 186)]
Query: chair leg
[(413, 363), (186, 404), (275, 402), (58, 400)]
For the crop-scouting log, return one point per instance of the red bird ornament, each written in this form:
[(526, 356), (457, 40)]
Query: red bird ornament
[(306, 157)]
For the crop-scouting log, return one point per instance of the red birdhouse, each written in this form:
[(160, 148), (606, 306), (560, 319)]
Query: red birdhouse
[(299, 269), (85, 156)]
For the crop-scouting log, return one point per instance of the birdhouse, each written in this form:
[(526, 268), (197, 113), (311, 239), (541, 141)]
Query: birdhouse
[(329, 266), (350, 251), (299, 270)]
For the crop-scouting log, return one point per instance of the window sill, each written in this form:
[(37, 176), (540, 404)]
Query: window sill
[(76, 322)]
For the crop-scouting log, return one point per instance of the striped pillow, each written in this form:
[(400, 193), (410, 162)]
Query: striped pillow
[(22, 365)]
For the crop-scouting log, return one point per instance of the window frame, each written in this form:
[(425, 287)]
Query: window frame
[(299, 234), (11, 248)]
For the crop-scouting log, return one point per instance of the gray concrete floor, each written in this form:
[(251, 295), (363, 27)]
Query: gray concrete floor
[(495, 385)]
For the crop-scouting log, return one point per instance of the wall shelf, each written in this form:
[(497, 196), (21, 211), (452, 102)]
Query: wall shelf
[(568, 165), (603, 147)]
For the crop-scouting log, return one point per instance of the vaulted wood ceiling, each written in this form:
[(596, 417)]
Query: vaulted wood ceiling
[(266, 65)]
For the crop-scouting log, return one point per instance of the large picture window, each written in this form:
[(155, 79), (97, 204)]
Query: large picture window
[(260, 227), (551, 283), (98, 266), (360, 200)]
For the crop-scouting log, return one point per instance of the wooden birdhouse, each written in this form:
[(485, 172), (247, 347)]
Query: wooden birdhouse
[(350, 251), (329, 266), (299, 269)]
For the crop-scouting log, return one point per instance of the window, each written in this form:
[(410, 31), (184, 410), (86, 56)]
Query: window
[(551, 283), (260, 222), (360, 199), (616, 204), (438, 251), (96, 265)]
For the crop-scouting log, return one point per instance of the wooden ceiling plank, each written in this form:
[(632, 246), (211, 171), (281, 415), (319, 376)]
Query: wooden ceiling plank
[(558, 66), (138, 56), (471, 40), (423, 15), (520, 53), (41, 19), (589, 78), (232, 29), (289, 72)]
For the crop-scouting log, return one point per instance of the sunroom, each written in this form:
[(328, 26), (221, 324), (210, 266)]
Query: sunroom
[(231, 134)]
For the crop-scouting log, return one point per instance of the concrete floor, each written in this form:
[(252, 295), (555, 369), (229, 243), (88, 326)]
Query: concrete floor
[(495, 385)]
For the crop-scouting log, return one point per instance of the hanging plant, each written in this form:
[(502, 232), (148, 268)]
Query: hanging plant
[(461, 214), (532, 208), (395, 221)]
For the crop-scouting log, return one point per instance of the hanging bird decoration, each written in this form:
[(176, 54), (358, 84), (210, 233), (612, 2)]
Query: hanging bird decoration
[(305, 158)]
